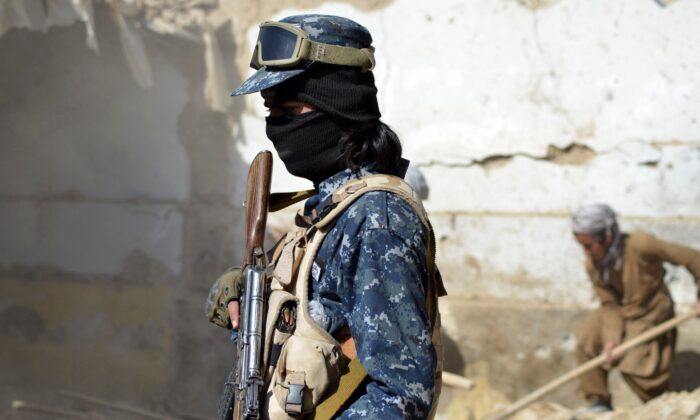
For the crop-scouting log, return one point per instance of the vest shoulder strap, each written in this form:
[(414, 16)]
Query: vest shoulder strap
[(344, 196)]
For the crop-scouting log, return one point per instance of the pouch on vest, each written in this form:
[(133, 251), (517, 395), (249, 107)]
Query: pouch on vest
[(306, 370)]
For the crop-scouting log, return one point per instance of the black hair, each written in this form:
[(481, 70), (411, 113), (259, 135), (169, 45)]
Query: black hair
[(370, 143)]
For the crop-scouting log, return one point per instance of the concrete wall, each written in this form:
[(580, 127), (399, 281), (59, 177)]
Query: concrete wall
[(518, 112), (117, 212), (119, 205)]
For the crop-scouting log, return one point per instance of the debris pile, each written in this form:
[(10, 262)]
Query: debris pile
[(671, 406)]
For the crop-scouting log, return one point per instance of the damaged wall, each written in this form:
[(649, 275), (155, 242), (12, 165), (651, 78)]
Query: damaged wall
[(520, 111), (117, 212), (121, 180)]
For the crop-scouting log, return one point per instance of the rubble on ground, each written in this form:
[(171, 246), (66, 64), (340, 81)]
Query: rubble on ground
[(671, 406)]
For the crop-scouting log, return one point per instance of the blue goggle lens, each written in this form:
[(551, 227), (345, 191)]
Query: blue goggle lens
[(277, 43)]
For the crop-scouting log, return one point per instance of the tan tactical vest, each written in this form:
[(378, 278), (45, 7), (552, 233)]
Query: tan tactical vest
[(309, 371)]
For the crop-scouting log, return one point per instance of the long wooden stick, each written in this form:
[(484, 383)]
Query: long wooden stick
[(456, 381), (117, 406), (591, 364)]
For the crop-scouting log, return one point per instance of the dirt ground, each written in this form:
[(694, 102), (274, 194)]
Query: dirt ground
[(671, 406), (508, 349)]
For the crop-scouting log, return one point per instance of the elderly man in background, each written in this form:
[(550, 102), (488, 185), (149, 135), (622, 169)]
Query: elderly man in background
[(628, 276)]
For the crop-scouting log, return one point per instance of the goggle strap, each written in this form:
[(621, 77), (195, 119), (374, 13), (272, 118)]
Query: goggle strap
[(337, 54), (254, 64), (369, 52)]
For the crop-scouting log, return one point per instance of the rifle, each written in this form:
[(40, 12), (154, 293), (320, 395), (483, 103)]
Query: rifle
[(242, 393)]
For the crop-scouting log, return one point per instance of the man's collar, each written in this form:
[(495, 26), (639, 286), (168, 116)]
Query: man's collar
[(328, 186), (332, 183)]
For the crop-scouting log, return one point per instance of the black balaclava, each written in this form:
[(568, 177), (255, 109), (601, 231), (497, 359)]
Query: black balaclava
[(309, 144)]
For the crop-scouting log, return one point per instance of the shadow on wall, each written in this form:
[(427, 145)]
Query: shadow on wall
[(116, 212), (686, 371), (454, 362)]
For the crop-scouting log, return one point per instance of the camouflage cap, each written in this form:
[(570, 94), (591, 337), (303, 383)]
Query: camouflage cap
[(326, 29)]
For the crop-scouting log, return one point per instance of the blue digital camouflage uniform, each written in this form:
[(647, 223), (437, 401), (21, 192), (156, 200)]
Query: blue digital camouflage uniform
[(371, 275)]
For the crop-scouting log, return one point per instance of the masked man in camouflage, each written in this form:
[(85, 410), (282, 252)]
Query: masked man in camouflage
[(628, 276), (370, 279)]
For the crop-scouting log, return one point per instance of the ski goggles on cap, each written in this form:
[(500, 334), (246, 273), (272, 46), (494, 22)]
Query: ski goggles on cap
[(285, 45)]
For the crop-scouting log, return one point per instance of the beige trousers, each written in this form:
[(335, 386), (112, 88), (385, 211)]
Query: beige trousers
[(605, 325)]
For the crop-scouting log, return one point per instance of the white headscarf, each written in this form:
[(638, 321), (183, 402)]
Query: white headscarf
[(600, 220)]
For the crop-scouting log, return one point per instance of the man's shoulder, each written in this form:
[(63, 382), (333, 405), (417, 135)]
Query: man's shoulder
[(639, 241), (383, 210)]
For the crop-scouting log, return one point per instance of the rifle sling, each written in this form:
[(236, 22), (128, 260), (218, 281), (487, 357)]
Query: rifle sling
[(279, 201), (349, 383)]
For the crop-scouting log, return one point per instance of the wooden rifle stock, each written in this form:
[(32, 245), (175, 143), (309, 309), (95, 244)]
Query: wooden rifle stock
[(256, 203)]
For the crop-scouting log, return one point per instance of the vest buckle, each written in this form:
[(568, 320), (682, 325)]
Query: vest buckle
[(295, 398)]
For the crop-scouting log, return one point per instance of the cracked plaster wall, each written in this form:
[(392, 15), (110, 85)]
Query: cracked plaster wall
[(517, 112)]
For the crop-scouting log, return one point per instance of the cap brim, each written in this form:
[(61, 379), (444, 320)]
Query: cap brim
[(268, 77)]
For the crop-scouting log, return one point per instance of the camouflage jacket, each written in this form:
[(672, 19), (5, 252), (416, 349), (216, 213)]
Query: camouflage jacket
[(370, 275)]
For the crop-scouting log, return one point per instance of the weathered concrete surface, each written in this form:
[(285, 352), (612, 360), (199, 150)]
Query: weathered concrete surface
[(89, 237), (576, 71), (116, 215), (533, 256), (90, 337)]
